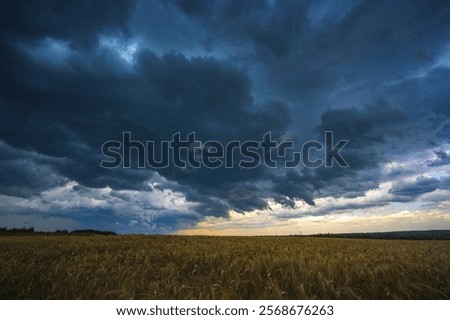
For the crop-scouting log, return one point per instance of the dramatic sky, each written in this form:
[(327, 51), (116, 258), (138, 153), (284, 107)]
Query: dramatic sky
[(75, 74)]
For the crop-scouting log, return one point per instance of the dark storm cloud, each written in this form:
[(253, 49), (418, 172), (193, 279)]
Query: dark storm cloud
[(25, 174), (201, 95), (78, 21), (371, 132), (249, 20), (374, 73), (71, 111), (442, 159), (307, 53), (313, 59), (407, 191)]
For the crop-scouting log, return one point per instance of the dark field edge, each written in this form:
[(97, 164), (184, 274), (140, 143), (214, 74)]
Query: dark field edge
[(31, 231), (391, 235)]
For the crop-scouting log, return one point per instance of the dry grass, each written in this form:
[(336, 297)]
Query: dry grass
[(182, 267)]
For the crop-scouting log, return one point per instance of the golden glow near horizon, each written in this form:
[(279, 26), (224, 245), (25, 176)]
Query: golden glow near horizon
[(334, 223)]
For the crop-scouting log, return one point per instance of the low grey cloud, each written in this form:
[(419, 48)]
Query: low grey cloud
[(442, 159), (407, 191)]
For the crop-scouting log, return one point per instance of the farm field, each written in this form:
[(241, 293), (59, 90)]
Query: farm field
[(199, 267)]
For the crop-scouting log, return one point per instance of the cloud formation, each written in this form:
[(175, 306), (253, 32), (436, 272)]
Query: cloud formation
[(77, 74)]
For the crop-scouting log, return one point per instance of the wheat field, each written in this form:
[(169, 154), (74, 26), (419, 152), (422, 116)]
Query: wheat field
[(199, 267)]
